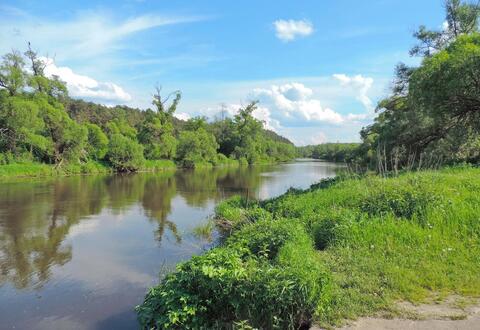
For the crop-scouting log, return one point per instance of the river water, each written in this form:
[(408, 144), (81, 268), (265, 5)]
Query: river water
[(81, 252)]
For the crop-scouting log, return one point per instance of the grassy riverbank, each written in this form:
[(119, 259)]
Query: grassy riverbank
[(20, 170), (45, 170), (28, 169), (342, 249)]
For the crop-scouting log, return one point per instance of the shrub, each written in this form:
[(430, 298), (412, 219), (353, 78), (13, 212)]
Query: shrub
[(124, 154), (237, 211), (403, 201), (332, 226), (266, 237), (229, 285)]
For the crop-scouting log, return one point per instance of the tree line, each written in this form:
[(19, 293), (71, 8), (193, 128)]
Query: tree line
[(333, 152), (39, 122)]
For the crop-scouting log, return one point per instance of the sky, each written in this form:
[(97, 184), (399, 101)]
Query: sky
[(317, 67)]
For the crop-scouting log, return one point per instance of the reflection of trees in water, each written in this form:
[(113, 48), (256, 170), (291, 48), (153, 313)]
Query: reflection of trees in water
[(34, 221), (200, 186), (156, 201), (36, 217)]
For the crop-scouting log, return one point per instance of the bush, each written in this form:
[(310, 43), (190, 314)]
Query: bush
[(403, 201), (237, 211), (266, 237), (236, 284), (331, 226), (124, 154)]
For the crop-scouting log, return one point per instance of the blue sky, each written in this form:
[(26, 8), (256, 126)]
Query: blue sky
[(318, 67)]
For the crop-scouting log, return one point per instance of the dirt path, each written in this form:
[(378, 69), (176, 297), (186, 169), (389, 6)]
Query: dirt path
[(454, 313)]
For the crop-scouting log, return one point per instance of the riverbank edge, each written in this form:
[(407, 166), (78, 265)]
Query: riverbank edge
[(39, 170)]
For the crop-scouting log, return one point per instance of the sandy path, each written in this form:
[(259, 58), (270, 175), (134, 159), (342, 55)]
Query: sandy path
[(453, 313)]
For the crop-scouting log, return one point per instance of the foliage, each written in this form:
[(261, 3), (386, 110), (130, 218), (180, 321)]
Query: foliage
[(40, 123), (384, 240), (243, 138), (97, 145), (235, 284), (378, 241), (334, 152), (124, 154), (432, 116), (196, 145)]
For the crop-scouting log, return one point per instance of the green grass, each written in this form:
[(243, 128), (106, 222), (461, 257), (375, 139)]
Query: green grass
[(45, 170), (29, 169), (352, 247), (386, 240), (158, 165)]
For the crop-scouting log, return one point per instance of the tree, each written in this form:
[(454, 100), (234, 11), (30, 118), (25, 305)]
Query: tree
[(196, 145), (12, 73), (21, 126), (248, 131), (156, 131), (68, 138), (124, 154), (461, 18), (97, 145)]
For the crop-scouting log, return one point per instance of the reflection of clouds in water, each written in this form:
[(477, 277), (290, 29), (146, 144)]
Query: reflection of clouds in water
[(85, 227), (93, 223), (101, 266), (104, 273), (54, 322)]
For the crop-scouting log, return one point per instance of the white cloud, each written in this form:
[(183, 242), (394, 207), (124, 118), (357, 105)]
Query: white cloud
[(182, 116), (86, 35), (318, 138), (288, 30), (85, 87), (264, 114), (361, 85), (292, 104)]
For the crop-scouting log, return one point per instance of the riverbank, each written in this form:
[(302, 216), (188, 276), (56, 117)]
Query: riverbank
[(343, 249), (25, 170)]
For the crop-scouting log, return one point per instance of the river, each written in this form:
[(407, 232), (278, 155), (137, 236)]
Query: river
[(80, 252)]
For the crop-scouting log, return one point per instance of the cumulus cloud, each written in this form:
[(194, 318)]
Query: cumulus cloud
[(318, 138), (86, 87), (289, 30), (361, 85), (293, 104), (231, 109), (264, 114), (182, 115)]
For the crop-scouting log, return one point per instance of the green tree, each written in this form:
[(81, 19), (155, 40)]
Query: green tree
[(21, 126), (124, 154), (12, 73), (461, 18), (156, 131), (97, 145), (197, 145), (248, 135)]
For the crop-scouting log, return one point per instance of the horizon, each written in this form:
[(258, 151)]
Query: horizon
[(318, 69)]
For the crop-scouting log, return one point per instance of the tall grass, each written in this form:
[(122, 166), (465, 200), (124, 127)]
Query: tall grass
[(353, 246)]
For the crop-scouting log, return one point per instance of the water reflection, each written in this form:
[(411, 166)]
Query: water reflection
[(83, 250)]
